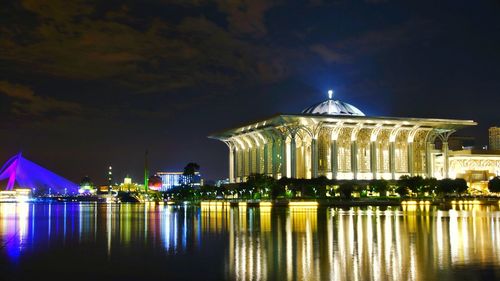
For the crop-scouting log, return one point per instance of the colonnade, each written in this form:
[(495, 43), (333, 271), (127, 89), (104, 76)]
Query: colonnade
[(338, 151)]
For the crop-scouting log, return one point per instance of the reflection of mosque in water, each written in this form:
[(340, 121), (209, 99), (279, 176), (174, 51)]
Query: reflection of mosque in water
[(307, 244), (272, 243)]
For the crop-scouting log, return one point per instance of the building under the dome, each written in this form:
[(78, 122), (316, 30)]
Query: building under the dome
[(337, 140)]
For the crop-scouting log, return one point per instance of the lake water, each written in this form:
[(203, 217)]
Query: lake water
[(85, 241)]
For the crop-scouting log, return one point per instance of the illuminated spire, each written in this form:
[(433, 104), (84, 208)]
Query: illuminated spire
[(330, 94), (110, 179), (146, 171)]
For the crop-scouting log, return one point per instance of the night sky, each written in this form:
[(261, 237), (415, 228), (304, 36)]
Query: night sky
[(86, 84)]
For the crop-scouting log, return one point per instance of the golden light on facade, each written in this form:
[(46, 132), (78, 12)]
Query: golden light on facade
[(336, 140)]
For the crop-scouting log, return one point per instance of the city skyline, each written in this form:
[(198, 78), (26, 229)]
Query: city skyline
[(87, 86)]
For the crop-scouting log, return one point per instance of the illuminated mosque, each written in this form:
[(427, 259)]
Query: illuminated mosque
[(335, 139)]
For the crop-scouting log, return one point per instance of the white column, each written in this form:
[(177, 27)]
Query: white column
[(231, 164), (428, 161), (241, 163), (249, 161), (392, 159), (410, 158), (373, 159), (293, 158), (257, 160), (334, 158), (274, 159), (314, 158), (266, 168), (303, 150), (445, 159), (354, 159), (244, 163), (236, 166), (283, 157)]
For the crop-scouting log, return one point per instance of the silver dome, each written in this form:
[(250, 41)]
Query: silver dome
[(333, 107)]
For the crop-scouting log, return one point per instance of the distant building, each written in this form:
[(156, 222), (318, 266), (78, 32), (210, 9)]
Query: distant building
[(155, 183), (477, 167), (172, 179), (460, 143), (220, 183), (86, 186), (127, 180), (494, 138), (129, 186)]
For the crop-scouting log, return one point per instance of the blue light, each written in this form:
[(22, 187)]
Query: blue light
[(31, 175)]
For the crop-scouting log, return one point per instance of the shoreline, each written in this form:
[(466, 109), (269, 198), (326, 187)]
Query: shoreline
[(375, 202)]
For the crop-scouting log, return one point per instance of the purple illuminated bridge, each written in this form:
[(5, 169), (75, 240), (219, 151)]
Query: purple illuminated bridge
[(21, 172)]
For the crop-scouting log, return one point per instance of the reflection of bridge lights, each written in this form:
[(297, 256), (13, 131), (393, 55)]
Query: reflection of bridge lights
[(19, 195)]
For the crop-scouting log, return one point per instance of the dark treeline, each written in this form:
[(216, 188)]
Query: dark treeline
[(260, 186)]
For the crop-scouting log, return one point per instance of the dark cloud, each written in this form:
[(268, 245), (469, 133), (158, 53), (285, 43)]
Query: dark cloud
[(327, 54), (26, 103), (372, 42), (247, 17), (70, 42)]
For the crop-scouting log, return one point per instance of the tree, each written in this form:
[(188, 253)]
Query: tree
[(430, 185), (319, 185), (346, 189), (208, 192), (181, 193), (189, 174), (380, 186), (264, 186), (460, 186), (403, 184), (292, 185), (494, 184), (416, 184), (445, 186), (191, 169), (402, 190)]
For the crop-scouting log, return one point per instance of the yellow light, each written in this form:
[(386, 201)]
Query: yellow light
[(409, 202), (303, 204), (242, 204), (265, 204)]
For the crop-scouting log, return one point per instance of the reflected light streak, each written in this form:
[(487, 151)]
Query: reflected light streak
[(288, 243)]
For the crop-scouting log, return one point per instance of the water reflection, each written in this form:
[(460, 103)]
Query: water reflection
[(414, 242)]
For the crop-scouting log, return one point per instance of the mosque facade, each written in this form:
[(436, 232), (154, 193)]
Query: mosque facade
[(335, 139)]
